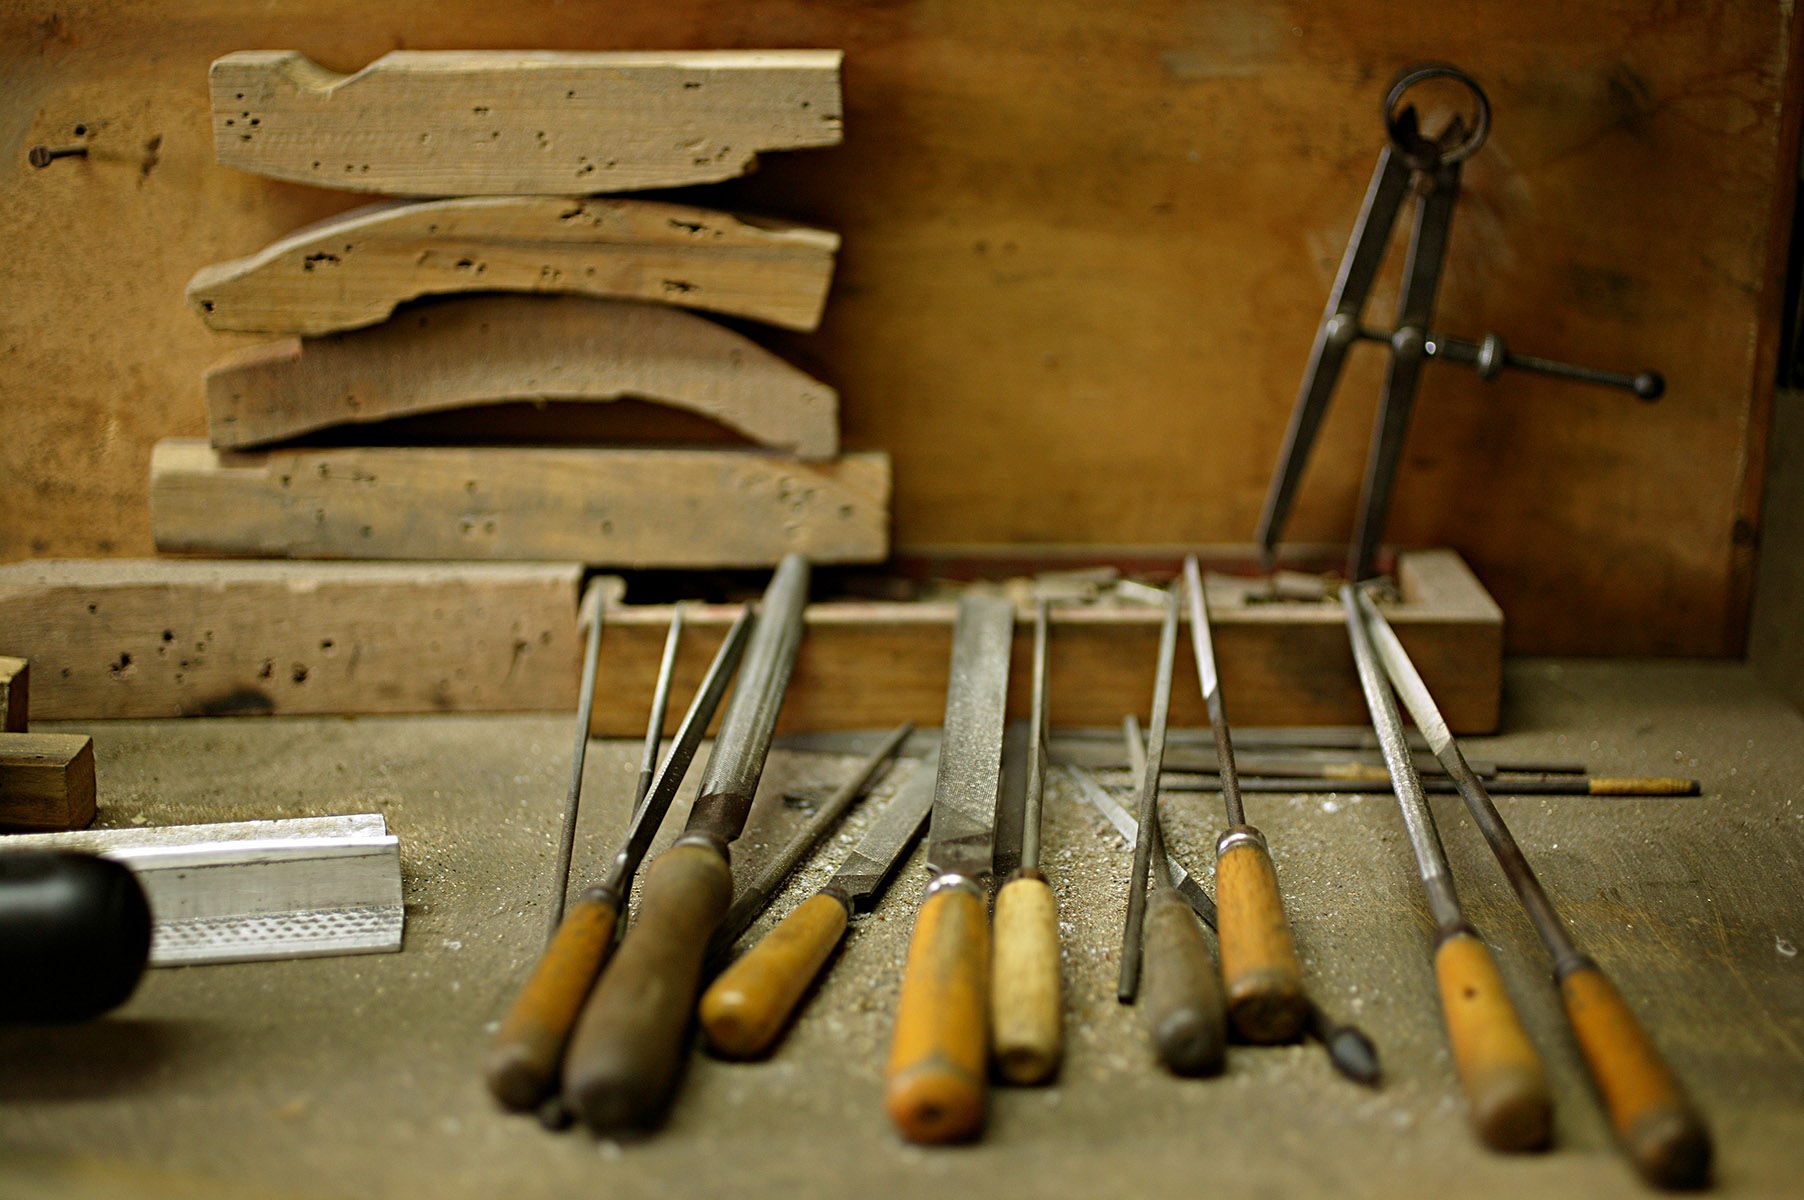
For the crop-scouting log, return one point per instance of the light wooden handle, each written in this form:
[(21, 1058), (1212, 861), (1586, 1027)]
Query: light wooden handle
[(1026, 1022), (1657, 1125), (1259, 967), (746, 1008), (934, 1086), (628, 1047), (1650, 786), (1505, 1086), (1182, 997), (521, 1066)]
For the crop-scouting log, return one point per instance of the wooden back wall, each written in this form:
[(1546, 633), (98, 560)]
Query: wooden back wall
[(1086, 248)]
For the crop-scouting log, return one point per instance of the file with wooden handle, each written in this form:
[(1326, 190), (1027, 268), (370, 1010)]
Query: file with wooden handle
[(1654, 1120), (745, 1010), (935, 1081), (522, 1062), (624, 1058)]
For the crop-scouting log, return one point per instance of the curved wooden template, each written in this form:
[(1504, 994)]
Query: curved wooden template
[(351, 271), (641, 508), (483, 349), (504, 122)]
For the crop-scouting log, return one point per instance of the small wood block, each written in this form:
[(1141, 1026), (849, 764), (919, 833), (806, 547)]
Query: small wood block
[(484, 349), (641, 508), (15, 693), (46, 781), (506, 122), (166, 638), (873, 665), (352, 270), (251, 890)]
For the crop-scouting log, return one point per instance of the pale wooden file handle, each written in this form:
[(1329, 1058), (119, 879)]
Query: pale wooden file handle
[(1026, 1022), (1505, 1086)]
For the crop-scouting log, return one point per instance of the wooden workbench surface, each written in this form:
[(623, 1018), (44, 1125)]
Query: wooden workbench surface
[(357, 1076)]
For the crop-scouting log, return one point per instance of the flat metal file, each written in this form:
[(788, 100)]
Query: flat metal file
[(521, 1065), (752, 897), (1026, 1017), (1505, 1086), (624, 1057), (1655, 1121), (1259, 968), (748, 1006), (1349, 1049), (935, 1080)]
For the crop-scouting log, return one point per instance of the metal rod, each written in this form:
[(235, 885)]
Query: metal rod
[(1036, 755), (1427, 716), (1128, 982), (1439, 784), (660, 701), (1204, 647), (1431, 859), (585, 708)]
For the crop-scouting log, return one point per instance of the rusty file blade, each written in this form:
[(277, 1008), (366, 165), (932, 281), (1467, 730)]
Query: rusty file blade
[(891, 836), (961, 839)]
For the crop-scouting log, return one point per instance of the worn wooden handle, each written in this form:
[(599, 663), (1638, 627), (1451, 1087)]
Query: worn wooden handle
[(1505, 1086), (628, 1046), (1648, 1108), (1026, 1021), (935, 1087), (1182, 997), (521, 1066), (746, 1008), (1259, 967)]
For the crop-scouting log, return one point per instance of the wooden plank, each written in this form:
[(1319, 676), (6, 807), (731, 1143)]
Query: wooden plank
[(869, 665), (638, 508), (164, 638), (505, 122), (353, 270), (250, 891), (1024, 254), (15, 694), (46, 781), (483, 349)]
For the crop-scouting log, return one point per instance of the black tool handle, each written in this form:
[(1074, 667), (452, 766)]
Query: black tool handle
[(74, 935), (628, 1046)]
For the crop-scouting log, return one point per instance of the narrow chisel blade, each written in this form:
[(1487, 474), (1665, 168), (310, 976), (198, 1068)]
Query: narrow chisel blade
[(891, 836)]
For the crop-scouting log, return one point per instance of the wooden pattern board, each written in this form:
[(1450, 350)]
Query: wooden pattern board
[(353, 270), (499, 123), (670, 508), (1084, 258), (474, 350), (167, 637)]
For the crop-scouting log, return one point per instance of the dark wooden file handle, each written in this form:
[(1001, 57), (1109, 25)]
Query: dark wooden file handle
[(628, 1047)]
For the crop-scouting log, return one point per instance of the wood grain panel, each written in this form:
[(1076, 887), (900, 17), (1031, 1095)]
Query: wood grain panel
[(1085, 252)]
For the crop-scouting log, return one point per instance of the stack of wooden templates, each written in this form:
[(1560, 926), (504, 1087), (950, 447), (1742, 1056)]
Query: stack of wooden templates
[(523, 285)]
